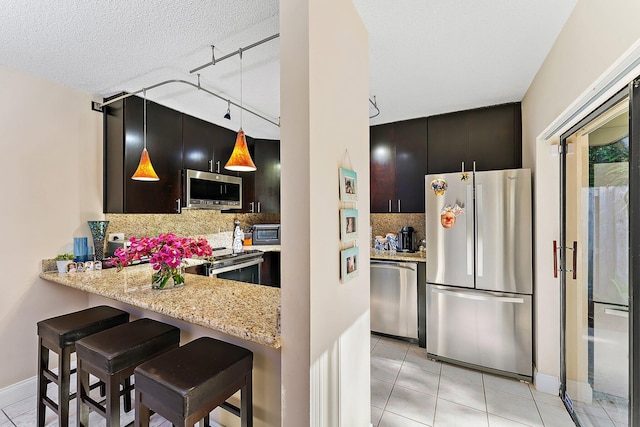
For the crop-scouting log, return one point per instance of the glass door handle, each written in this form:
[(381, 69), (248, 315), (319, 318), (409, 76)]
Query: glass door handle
[(555, 259), (574, 270), (575, 259)]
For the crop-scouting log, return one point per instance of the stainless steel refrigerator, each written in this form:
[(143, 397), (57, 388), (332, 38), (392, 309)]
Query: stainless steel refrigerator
[(479, 269)]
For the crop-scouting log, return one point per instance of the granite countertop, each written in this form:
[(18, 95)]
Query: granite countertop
[(398, 256), (244, 310)]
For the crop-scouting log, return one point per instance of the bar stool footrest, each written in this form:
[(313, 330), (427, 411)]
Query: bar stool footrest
[(231, 408)]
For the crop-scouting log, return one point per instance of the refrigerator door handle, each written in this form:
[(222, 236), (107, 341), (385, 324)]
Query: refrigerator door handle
[(469, 231), (480, 242), (616, 312), (479, 297)]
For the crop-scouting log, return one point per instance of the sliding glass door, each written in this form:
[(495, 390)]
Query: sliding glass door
[(595, 268)]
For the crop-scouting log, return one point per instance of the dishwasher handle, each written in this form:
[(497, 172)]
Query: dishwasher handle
[(394, 265)]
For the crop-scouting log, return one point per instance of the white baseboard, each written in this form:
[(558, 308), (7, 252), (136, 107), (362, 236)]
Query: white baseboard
[(18, 391), (580, 391), (546, 383)]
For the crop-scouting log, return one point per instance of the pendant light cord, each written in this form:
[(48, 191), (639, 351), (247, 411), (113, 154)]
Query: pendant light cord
[(240, 53), (144, 118)]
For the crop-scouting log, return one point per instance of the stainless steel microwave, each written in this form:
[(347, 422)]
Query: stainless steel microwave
[(266, 234), (206, 190)]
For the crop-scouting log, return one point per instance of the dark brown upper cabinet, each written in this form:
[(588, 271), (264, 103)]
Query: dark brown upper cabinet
[(398, 156), (491, 137), (123, 144), (207, 147), (261, 189), (177, 141)]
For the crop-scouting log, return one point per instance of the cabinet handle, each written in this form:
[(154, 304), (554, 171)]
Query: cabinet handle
[(251, 207), (399, 210), (258, 207), (218, 166), (178, 206), (210, 165), (389, 205)]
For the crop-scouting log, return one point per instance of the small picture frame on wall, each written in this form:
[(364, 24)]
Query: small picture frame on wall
[(348, 185), (348, 224), (349, 263)]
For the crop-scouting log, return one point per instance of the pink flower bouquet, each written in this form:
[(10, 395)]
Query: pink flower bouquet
[(165, 253)]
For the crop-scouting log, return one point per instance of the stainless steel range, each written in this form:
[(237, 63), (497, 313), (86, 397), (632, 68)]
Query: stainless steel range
[(242, 266)]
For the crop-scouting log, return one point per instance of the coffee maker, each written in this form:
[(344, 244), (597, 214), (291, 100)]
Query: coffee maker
[(407, 239)]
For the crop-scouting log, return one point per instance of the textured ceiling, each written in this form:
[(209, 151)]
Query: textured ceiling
[(426, 56)]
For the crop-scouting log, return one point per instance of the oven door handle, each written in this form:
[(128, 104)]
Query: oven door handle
[(214, 271)]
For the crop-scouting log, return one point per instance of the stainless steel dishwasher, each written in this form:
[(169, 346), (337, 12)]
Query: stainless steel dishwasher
[(394, 298)]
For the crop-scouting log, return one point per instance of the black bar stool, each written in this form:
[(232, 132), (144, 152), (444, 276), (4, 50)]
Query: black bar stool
[(59, 334), (186, 384), (111, 356)]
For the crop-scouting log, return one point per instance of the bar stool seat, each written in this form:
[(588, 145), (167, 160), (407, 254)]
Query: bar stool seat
[(186, 384), (111, 356), (59, 334)]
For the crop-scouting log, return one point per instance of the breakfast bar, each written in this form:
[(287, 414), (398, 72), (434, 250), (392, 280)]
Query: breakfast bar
[(244, 314)]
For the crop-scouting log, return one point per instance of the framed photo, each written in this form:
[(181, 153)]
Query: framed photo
[(348, 185), (348, 224), (349, 263)]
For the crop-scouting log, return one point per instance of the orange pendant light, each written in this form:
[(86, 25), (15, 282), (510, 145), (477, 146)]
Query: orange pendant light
[(145, 171), (240, 159)]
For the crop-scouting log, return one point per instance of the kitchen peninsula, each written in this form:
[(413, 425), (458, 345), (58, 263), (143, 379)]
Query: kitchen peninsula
[(240, 309), (241, 313)]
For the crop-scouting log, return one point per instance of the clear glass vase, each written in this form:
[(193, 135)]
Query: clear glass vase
[(167, 278)]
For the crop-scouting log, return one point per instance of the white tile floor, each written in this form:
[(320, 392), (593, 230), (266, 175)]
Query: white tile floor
[(603, 412), (23, 413), (409, 390)]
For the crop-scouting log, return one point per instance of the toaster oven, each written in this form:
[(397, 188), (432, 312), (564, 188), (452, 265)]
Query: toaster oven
[(266, 234)]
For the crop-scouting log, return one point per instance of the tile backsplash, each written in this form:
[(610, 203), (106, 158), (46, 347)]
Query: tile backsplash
[(392, 223), (190, 223)]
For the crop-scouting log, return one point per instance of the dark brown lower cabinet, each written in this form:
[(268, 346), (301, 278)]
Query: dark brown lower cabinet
[(270, 269)]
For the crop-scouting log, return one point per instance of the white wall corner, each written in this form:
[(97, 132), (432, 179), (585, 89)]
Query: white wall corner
[(546, 383)]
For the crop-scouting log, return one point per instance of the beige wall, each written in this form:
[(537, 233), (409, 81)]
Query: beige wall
[(51, 178), (325, 323), (595, 36)]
